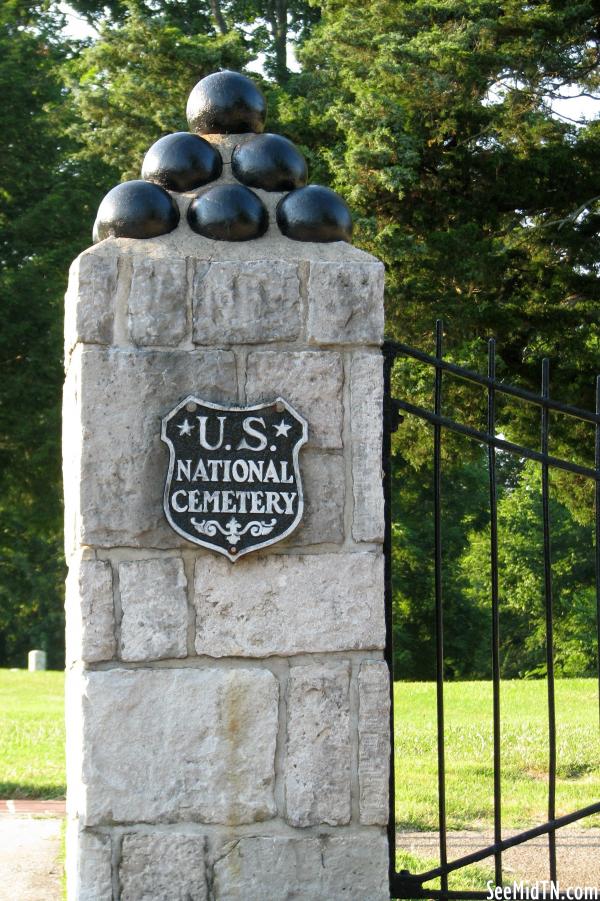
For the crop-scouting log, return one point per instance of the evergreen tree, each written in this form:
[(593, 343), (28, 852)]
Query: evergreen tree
[(483, 205), (130, 87), (46, 204), (266, 27), (433, 118)]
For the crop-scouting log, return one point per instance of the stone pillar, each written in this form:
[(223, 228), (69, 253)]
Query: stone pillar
[(228, 732)]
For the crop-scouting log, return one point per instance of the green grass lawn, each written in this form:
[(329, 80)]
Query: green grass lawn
[(469, 762), (473, 877), (32, 735), (32, 748)]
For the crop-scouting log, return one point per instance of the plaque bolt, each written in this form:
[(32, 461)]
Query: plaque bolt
[(191, 408), (233, 550)]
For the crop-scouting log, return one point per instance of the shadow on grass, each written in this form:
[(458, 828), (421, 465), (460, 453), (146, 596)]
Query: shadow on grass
[(18, 791), (470, 878)]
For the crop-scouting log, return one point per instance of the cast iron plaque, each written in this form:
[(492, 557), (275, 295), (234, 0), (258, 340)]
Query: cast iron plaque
[(233, 483)]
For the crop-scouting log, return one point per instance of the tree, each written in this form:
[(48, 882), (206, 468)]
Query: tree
[(266, 26), (76, 119), (482, 204), (466, 626), (130, 87), (46, 203), (432, 117), (190, 16), (270, 24), (521, 580), (466, 572)]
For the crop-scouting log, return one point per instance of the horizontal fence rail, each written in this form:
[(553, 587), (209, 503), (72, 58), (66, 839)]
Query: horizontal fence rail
[(405, 885), (396, 349)]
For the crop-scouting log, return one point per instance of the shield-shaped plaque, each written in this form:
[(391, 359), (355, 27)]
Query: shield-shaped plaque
[(233, 483)]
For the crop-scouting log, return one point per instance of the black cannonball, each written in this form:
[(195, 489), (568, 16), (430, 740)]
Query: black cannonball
[(314, 213), (136, 209), (226, 103), (182, 161), (228, 213), (270, 162)]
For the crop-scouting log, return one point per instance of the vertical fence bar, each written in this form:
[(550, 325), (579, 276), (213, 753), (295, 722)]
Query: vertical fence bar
[(388, 362), (549, 604), (491, 424), (597, 516), (439, 605)]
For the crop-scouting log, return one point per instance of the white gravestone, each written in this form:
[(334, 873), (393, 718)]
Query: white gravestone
[(36, 660)]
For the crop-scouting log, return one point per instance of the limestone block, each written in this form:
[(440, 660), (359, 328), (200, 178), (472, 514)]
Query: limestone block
[(154, 603), (356, 867), (90, 634), (310, 381), (373, 742), (90, 299), (366, 416), (88, 865), (157, 304), (324, 481), (246, 304), (73, 747), (120, 397), (172, 745), (352, 867), (345, 303), (71, 453), (289, 604), (273, 246), (317, 772), (162, 867)]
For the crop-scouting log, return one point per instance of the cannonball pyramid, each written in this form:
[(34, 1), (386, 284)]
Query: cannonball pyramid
[(224, 103)]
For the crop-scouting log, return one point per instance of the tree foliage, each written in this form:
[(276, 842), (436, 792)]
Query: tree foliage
[(521, 581), (483, 205), (266, 27), (466, 574), (130, 87), (466, 652), (45, 206), (434, 119)]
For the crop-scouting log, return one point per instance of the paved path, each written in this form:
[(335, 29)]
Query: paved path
[(578, 854), (30, 834), (30, 846)]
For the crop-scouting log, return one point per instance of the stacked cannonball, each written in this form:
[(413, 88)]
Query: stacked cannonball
[(223, 103)]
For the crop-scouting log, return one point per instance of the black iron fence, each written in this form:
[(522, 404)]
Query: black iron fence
[(405, 885)]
